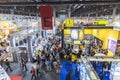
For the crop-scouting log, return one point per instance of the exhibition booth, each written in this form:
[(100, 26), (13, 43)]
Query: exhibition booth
[(14, 32)]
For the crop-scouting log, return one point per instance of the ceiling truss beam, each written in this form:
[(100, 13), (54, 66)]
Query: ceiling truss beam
[(60, 2)]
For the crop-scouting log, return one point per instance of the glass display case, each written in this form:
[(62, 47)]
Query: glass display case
[(83, 73), (87, 71), (3, 74), (115, 71)]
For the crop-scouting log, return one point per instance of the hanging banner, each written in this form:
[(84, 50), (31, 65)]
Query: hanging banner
[(46, 17), (69, 23)]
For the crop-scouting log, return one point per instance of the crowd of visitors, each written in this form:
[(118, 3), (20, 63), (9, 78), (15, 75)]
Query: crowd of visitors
[(90, 47), (52, 55)]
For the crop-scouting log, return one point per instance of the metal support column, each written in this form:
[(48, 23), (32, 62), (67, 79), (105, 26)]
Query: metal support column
[(69, 12), (97, 15), (62, 38), (54, 16), (29, 48), (62, 35), (88, 16), (114, 13)]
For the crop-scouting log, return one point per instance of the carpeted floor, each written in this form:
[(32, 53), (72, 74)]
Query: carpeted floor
[(16, 77), (66, 66)]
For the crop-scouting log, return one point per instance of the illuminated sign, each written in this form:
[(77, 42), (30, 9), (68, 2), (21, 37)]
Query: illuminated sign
[(100, 22), (69, 22), (76, 42)]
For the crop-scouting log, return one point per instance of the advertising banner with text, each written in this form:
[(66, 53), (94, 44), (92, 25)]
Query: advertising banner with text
[(46, 17)]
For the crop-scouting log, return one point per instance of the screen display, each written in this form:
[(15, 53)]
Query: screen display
[(112, 45), (76, 42), (74, 34)]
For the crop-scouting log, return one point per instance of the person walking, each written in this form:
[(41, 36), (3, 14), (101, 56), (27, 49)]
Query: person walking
[(23, 61), (8, 65), (33, 73), (58, 67), (38, 53), (37, 68)]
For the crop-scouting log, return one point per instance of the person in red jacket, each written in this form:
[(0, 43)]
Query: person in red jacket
[(33, 74)]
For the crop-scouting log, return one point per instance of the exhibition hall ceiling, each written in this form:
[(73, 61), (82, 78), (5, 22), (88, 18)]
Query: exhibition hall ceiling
[(76, 7)]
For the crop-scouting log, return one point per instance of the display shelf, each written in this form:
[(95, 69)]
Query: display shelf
[(103, 58), (90, 70), (115, 71)]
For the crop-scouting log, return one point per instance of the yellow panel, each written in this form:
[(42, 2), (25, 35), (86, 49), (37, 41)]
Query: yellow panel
[(119, 36), (100, 22), (4, 24), (66, 31), (81, 34), (88, 31), (62, 26), (110, 54), (69, 23)]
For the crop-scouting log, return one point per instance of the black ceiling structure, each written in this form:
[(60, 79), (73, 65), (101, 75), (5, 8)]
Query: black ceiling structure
[(61, 2), (77, 7)]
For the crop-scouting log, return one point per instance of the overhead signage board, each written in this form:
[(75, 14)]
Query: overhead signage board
[(46, 17), (100, 22), (69, 22)]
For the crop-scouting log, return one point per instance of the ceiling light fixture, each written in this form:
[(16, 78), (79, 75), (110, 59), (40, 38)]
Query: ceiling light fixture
[(75, 5), (62, 10), (79, 6)]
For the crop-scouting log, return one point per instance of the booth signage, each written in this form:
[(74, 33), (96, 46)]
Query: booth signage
[(46, 17), (69, 22)]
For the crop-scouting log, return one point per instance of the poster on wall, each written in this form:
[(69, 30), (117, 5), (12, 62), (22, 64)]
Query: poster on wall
[(74, 34), (112, 45), (118, 47), (46, 17)]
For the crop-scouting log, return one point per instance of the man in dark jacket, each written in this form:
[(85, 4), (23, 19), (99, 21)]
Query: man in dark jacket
[(8, 65)]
